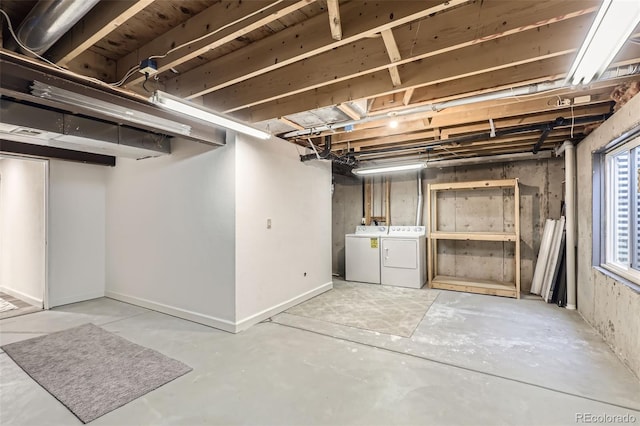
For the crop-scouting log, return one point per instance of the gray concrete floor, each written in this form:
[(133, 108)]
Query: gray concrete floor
[(474, 360)]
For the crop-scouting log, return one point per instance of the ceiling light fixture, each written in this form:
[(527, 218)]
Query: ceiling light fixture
[(373, 170), (614, 23), (182, 106), (393, 124), (117, 112)]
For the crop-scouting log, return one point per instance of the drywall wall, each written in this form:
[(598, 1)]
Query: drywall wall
[(540, 198), (606, 303), (76, 247), (171, 233), (22, 229), (283, 228)]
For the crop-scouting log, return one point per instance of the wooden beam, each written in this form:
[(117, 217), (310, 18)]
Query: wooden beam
[(501, 109), (350, 112), (104, 18), (406, 99), (333, 7), (368, 193), (557, 39), (253, 17), (317, 99), (394, 55), (578, 112), (391, 45), (388, 140), (290, 123), (303, 41)]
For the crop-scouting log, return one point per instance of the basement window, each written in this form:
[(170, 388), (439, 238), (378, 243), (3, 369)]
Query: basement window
[(622, 210)]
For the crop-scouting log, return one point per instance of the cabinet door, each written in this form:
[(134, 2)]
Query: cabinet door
[(400, 253)]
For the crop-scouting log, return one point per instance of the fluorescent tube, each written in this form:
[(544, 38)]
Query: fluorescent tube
[(614, 23), (126, 115), (185, 107), (389, 168)]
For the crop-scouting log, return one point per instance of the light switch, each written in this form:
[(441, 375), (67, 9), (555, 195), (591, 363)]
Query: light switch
[(268, 223)]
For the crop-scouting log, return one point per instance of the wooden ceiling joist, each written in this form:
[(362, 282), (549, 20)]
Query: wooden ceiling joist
[(301, 42), (557, 39), (104, 18), (333, 8), (246, 17)]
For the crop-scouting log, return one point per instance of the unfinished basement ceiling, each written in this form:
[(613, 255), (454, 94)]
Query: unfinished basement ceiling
[(291, 66)]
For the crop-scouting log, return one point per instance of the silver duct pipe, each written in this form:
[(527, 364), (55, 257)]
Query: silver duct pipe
[(49, 20), (501, 94)]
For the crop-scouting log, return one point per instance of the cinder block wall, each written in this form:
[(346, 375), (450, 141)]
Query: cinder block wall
[(541, 188)]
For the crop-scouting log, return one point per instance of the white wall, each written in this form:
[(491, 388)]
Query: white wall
[(76, 249), (170, 233), (22, 229), (606, 303), (272, 183)]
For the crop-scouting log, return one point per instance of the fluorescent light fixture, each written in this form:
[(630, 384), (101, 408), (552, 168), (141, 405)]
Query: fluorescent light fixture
[(188, 108), (614, 23), (126, 115), (390, 168)]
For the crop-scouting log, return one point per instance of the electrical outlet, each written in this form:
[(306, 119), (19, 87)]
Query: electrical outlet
[(563, 102), (582, 99)]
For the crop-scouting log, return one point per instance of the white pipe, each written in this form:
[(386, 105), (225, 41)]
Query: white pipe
[(419, 213), (570, 211)]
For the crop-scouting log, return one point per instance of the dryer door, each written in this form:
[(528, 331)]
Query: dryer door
[(400, 253)]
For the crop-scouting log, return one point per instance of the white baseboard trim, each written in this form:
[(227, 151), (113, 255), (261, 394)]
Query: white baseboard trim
[(22, 296), (75, 298), (268, 313), (208, 320)]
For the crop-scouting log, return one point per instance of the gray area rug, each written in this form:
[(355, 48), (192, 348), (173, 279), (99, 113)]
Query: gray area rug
[(385, 309), (21, 307), (92, 371), (6, 305)]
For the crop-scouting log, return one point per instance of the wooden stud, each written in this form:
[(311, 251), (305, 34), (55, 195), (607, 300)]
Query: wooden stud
[(333, 8), (387, 199), (368, 193), (406, 100), (350, 112), (290, 123)]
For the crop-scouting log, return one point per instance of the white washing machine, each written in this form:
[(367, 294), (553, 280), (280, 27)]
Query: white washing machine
[(362, 254), (403, 257)]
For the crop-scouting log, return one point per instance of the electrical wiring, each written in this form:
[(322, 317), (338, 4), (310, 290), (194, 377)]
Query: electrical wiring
[(209, 34), (56, 66)]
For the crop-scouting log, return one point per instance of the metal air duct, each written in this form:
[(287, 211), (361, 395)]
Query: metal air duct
[(48, 21)]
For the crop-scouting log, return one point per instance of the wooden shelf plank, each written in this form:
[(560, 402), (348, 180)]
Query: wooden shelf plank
[(474, 236), (473, 285), (479, 184)]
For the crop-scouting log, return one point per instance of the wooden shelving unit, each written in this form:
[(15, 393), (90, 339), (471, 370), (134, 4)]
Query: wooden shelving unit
[(472, 285)]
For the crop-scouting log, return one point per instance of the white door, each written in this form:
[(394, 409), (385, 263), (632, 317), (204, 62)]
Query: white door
[(399, 253)]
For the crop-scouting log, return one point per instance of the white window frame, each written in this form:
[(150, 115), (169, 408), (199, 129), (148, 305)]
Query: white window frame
[(625, 271)]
